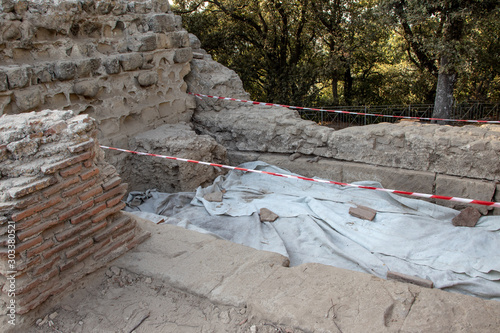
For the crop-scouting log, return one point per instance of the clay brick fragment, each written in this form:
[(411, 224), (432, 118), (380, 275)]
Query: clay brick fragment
[(79, 188), (36, 209), (52, 168), (91, 193), (29, 244), (70, 231), (467, 217), (363, 212), (77, 249), (37, 230), (84, 146), (112, 183), (94, 229), (121, 222), (115, 246), (45, 267), (88, 214), (75, 211), (86, 175), (39, 249), (60, 247), (122, 189), (59, 187), (19, 192), (108, 212), (71, 171), (409, 279)]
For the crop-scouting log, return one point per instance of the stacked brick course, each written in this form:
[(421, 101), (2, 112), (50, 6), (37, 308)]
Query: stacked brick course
[(62, 203)]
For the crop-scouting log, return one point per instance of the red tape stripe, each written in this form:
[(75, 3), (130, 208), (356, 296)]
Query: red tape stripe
[(421, 195), (346, 112)]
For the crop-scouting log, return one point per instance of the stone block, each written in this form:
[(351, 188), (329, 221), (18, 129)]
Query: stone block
[(86, 88), (392, 178), (18, 77), (162, 23), (112, 65), (363, 212), (41, 74), (65, 70), (12, 32), (183, 55), (267, 215), (194, 42), (467, 217), (465, 188), (27, 100), (147, 79), (147, 43), (131, 61), (3, 82)]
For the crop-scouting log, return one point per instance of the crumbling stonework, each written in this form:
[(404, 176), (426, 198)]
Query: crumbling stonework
[(121, 62), (60, 207), (409, 156)]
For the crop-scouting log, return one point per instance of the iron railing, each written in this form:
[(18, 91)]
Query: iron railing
[(471, 111)]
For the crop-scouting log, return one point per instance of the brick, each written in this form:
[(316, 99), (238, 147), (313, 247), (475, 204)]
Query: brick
[(409, 279), (33, 199), (117, 224), (37, 230), (467, 217), (75, 211), (122, 189), (81, 147), (363, 212), (115, 201), (91, 250), (94, 229), (39, 249), (29, 244), (59, 187), (28, 223), (60, 247), (138, 240), (114, 182), (36, 209), (22, 191), (91, 193), (58, 127), (91, 173), (88, 163), (71, 171), (115, 245), (37, 281), (79, 189), (54, 167), (72, 230), (88, 214), (108, 212), (27, 264), (77, 249), (45, 267), (59, 207)]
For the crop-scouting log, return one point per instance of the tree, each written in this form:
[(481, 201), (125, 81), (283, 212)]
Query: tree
[(269, 43), (434, 31)]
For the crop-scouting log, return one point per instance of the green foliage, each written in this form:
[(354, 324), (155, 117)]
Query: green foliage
[(317, 52)]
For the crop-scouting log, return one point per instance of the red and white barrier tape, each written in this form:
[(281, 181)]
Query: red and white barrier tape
[(345, 112), (415, 194)]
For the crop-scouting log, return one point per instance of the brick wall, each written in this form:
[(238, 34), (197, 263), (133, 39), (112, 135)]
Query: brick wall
[(59, 205)]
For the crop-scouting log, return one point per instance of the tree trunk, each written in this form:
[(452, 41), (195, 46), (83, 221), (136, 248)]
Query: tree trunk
[(348, 86), (335, 89), (444, 92)]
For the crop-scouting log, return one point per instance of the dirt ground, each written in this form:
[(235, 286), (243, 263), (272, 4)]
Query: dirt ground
[(116, 300)]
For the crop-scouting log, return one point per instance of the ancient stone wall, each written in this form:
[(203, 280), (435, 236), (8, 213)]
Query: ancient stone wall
[(121, 62), (409, 156), (60, 207)]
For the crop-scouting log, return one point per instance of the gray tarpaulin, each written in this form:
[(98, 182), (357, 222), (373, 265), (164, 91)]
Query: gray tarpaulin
[(408, 236)]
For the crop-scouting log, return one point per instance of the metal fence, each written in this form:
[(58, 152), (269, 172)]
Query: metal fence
[(471, 111)]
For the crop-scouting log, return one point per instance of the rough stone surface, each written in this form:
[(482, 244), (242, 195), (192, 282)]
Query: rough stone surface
[(267, 215), (238, 280), (467, 218), (363, 212), (179, 141), (214, 197)]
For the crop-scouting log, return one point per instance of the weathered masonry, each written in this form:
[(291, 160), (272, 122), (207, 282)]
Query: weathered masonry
[(63, 202)]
